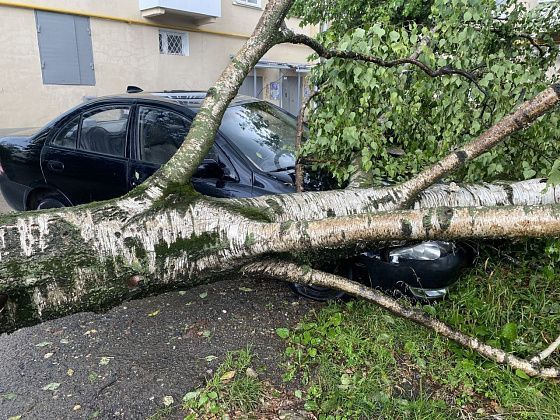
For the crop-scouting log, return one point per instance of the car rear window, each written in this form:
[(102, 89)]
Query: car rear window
[(161, 132), (104, 130)]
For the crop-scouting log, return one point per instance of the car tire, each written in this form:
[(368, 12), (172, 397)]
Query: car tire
[(49, 201), (324, 294)]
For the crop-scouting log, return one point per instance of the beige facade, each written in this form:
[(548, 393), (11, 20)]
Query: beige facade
[(126, 51), (126, 54)]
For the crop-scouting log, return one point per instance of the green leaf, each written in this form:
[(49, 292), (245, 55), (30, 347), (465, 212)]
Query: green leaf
[(378, 30), (9, 396), (430, 309), (191, 395), (467, 16), (283, 332), (345, 379), (529, 173), (554, 175), (521, 374), (394, 36), (509, 331), (203, 295), (53, 386), (359, 33)]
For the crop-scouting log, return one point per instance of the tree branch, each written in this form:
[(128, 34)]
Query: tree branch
[(291, 37), (521, 118), (200, 137), (299, 134), (304, 275), (546, 352), (443, 223)]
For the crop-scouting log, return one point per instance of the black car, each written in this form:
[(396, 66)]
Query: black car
[(103, 148)]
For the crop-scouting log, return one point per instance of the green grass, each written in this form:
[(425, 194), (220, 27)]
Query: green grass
[(232, 388), (355, 360)]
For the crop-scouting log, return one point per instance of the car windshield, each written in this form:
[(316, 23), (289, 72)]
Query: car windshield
[(263, 133)]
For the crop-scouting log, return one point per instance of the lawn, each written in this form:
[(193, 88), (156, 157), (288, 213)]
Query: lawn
[(356, 360), (353, 360)]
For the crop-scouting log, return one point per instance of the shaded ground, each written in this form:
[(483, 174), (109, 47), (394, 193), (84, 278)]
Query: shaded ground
[(122, 363)]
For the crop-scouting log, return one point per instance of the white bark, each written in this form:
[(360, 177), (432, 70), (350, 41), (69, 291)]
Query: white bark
[(162, 233)]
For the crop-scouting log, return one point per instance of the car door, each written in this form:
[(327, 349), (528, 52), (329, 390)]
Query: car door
[(158, 133), (87, 158)]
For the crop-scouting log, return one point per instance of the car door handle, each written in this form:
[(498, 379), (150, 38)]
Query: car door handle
[(55, 165)]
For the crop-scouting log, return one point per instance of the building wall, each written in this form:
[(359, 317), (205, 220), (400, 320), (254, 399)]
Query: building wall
[(123, 54), (126, 54)]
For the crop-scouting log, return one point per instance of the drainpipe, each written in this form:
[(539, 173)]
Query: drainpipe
[(255, 82)]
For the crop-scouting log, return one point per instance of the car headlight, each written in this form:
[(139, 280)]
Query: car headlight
[(425, 251)]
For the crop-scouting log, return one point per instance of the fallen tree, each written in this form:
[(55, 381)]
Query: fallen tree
[(163, 234)]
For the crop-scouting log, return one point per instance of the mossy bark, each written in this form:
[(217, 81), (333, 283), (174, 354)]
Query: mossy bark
[(163, 234), (63, 261)]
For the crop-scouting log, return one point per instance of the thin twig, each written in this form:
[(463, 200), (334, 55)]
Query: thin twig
[(546, 352)]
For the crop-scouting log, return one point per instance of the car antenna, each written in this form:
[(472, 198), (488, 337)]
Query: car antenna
[(133, 89)]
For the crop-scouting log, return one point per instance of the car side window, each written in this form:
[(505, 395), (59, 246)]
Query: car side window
[(68, 135), (104, 130), (160, 132)]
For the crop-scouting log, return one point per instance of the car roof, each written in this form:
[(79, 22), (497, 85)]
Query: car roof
[(189, 99)]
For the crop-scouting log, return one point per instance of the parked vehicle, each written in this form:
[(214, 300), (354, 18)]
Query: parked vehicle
[(103, 148)]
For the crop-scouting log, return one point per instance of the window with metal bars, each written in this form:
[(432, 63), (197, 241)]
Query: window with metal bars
[(174, 43), (252, 3)]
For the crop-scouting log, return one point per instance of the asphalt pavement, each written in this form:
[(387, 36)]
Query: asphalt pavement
[(122, 363)]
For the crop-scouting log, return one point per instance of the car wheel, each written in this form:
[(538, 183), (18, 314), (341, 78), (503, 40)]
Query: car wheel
[(324, 294), (50, 201)]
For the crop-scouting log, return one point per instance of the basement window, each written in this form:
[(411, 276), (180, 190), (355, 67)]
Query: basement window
[(173, 43)]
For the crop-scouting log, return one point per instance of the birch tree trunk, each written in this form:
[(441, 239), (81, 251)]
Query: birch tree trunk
[(163, 234)]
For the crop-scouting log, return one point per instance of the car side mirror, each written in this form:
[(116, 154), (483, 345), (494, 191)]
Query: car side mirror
[(210, 168)]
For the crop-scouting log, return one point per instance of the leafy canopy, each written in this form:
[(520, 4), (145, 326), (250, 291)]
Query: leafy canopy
[(364, 111)]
